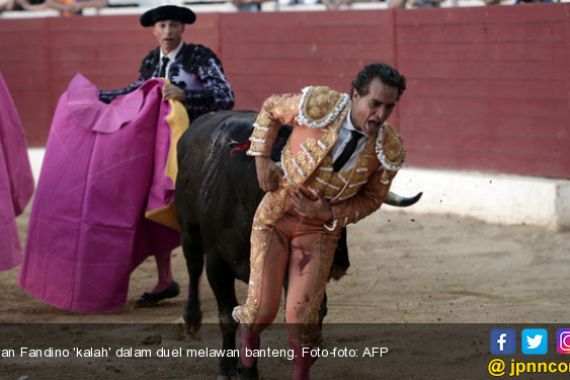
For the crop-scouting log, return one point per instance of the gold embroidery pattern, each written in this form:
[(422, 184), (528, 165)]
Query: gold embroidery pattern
[(319, 106), (331, 185), (318, 149), (271, 207), (390, 148), (377, 184), (260, 238), (320, 101), (276, 110)]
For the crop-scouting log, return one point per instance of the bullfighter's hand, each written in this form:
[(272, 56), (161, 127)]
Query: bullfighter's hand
[(311, 205), (170, 91), (268, 173)]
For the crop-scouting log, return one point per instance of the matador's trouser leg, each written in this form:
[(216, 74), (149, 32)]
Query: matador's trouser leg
[(310, 261), (268, 266), (268, 260), (312, 250), (304, 250)]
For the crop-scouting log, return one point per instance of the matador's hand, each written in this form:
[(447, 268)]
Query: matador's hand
[(170, 91), (268, 173), (311, 205)]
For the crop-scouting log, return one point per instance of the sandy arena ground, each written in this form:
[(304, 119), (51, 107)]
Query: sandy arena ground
[(405, 268)]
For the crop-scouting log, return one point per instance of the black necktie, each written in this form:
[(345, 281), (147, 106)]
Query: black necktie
[(163, 67), (347, 151)]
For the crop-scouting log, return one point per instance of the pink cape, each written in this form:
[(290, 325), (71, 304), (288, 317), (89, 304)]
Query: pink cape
[(102, 164), (16, 180)]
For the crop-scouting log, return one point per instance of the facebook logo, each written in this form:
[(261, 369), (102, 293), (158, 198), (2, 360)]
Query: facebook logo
[(503, 341)]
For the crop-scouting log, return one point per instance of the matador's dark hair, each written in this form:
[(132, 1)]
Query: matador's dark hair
[(387, 75)]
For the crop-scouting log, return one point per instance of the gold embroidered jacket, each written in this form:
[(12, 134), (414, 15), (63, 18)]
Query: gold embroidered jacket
[(316, 116)]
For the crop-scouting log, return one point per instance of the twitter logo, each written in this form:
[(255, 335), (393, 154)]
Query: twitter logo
[(534, 341)]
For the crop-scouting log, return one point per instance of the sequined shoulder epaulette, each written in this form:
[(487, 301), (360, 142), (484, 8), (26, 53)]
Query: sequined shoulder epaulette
[(390, 148), (319, 106)]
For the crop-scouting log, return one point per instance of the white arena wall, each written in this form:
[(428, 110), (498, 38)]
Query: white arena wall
[(491, 197)]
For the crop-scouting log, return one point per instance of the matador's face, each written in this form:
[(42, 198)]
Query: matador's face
[(370, 111), (168, 33)]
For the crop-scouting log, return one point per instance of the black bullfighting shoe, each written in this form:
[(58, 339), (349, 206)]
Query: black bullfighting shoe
[(152, 299)]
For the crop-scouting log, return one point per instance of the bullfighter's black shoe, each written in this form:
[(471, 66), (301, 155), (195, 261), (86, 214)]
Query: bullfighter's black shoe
[(245, 373), (152, 299)]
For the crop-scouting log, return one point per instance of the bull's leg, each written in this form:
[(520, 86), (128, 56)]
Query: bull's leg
[(222, 281), (340, 261), (323, 310), (193, 252)]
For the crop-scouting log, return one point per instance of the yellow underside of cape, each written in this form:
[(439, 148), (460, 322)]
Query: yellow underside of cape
[(177, 121)]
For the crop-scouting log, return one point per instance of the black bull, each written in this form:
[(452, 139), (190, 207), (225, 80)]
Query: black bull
[(216, 197)]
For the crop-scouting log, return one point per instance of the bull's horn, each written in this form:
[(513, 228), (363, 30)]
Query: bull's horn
[(396, 200)]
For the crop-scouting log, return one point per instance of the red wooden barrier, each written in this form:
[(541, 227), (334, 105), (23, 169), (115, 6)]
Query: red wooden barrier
[(40, 56), (489, 87), (283, 52)]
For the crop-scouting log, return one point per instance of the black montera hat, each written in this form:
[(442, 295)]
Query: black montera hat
[(168, 12)]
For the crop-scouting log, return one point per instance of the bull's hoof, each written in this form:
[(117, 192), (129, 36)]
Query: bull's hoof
[(193, 333), (192, 316)]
